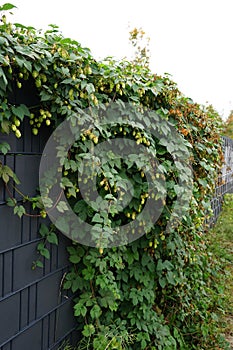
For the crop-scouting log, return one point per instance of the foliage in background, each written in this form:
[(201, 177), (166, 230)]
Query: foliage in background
[(141, 47), (161, 291), (228, 126)]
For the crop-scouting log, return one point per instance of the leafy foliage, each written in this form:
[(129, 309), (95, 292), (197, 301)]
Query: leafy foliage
[(160, 291), (48, 236), (228, 126)]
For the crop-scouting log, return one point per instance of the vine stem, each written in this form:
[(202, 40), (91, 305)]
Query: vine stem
[(11, 196), (28, 199)]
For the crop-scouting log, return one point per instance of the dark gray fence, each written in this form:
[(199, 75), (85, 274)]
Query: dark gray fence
[(225, 180), (35, 314)]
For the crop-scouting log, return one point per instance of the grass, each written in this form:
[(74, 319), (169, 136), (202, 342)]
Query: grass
[(221, 246)]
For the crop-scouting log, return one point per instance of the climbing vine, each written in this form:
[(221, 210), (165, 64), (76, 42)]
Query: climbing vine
[(160, 291)]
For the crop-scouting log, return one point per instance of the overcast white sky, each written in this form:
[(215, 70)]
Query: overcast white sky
[(191, 40)]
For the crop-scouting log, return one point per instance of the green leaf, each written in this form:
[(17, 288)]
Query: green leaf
[(67, 285), (97, 218), (20, 111), (75, 259), (45, 96), (52, 238), (28, 66), (5, 177), (7, 7), (88, 273), (170, 278), (88, 330), (146, 259), (90, 88), (15, 178), (95, 312), (11, 202), (19, 210), (3, 80), (167, 265), (80, 206), (39, 264), (20, 61), (110, 197), (80, 309), (66, 182), (72, 192), (62, 206), (5, 125), (162, 282), (83, 84), (67, 81), (44, 230), (45, 252), (75, 284), (2, 41)]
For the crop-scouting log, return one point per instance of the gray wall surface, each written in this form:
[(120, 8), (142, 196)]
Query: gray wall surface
[(35, 313)]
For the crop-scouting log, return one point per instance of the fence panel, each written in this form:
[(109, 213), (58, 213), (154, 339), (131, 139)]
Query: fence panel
[(34, 311), (225, 180)]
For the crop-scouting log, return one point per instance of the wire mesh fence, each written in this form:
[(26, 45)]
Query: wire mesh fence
[(225, 180)]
